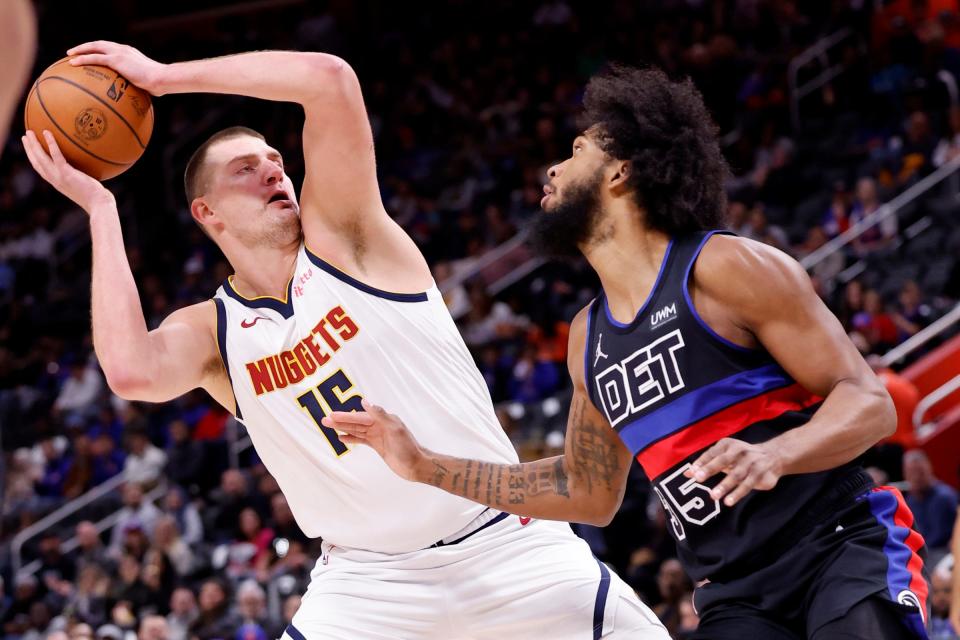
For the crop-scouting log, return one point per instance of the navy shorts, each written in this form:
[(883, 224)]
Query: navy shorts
[(856, 574)]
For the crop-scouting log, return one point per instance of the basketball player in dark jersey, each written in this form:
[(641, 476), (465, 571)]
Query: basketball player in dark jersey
[(711, 360)]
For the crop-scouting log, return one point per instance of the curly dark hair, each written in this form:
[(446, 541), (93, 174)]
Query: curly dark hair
[(664, 129)]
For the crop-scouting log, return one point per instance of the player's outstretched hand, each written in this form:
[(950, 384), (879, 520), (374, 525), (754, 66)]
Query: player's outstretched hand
[(747, 467), (142, 71), (87, 192), (384, 432)]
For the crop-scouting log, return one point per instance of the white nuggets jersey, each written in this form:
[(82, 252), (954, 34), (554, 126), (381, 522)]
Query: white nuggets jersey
[(333, 341)]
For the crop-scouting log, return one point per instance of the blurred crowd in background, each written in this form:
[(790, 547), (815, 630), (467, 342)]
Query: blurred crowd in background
[(469, 103)]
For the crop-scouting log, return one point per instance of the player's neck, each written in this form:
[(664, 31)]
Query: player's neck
[(264, 271), (627, 258)]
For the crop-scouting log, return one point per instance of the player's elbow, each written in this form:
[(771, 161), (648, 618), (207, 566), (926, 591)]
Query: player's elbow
[(886, 413), (331, 74), (596, 510), (601, 518), (127, 382)]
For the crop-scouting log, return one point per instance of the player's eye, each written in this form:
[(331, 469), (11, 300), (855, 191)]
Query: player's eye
[(245, 168)]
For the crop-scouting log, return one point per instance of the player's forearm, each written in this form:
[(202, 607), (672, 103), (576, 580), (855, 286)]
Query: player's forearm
[(852, 418), (119, 328), (18, 44), (286, 76), (541, 489)]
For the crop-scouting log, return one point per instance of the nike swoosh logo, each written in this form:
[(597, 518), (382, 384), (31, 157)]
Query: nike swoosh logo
[(246, 324), (524, 521)]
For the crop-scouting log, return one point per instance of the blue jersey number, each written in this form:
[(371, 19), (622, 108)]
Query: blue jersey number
[(333, 393)]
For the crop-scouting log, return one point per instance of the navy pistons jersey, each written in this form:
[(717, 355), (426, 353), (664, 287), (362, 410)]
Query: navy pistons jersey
[(672, 387)]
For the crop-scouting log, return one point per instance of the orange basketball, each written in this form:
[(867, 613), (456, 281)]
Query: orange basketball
[(101, 122)]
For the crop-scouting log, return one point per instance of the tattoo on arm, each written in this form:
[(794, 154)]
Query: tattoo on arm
[(594, 459), (439, 473), (593, 462)]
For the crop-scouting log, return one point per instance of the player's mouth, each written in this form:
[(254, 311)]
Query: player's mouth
[(281, 199), (547, 192)]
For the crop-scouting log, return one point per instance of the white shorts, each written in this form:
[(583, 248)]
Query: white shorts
[(512, 579)]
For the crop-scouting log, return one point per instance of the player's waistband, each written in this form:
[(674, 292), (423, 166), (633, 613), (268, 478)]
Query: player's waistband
[(488, 517)]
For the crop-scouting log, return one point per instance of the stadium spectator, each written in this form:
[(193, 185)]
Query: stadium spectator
[(185, 514), (912, 314), (177, 552), (226, 504), (252, 608), (153, 628), (933, 502), (54, 470), (183, 613), (145, 462), (875, 324), (80, 391), (282, 521), (941, 586), (250, 545), (866, 203), (90, 548), (184, 456), (674, 588), (53, 564), (107, 461), (137, 514), (758, 228), (837, 218), (214, 619)]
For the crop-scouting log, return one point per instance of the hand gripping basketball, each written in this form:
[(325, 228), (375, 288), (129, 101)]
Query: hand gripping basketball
[(140, 70), (52, 167)]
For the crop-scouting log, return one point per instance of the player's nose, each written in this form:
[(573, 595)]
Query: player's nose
[(555, 170), (273, 174)]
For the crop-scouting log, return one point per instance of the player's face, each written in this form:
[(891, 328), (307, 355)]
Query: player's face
[(571, 201), (251, 193)]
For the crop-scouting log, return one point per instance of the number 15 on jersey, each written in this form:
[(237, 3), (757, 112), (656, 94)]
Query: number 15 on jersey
[(332, 394)]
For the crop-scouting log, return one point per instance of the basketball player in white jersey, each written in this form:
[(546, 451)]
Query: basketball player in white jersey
[(331, 301)]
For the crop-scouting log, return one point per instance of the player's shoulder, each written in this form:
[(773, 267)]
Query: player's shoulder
[(201, 315), (739, 265)]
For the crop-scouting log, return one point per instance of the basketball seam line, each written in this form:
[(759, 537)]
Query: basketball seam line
[(77, 144), (101, 101)]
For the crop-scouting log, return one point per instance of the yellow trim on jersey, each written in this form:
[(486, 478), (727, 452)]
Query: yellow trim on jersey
[(281, 300)]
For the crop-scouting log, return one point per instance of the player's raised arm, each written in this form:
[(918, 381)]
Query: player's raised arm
[(585, 484), (787, 318), (340, 190), (139, 365)]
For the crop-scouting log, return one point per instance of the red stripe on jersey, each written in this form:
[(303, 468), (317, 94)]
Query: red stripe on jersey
[(914, 541), (664, 454)]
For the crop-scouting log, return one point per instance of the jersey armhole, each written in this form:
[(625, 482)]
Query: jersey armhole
[(222, 348), (693, 310)]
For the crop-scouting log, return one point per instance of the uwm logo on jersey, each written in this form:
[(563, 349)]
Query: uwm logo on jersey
[(641, 379), (664, 315)]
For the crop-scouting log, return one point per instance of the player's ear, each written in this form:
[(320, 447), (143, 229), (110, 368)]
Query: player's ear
[(619, 174), (202, 213)]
